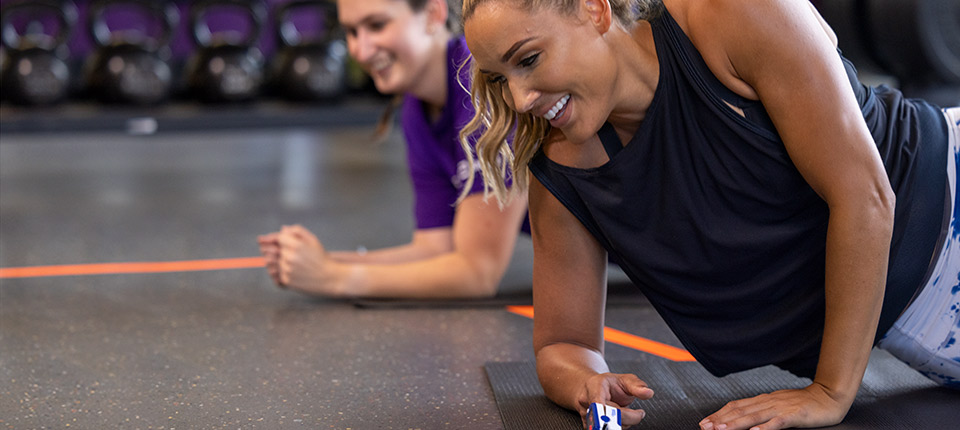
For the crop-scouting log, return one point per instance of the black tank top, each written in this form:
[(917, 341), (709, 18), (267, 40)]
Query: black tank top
[(706, 213)]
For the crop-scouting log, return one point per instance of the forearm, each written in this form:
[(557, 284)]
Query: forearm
[(391, 255), (449, 275), (563, 369), (466, 260), (426, 243), (856, 268)]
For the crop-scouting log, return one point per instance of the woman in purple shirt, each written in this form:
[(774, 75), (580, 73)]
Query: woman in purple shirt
[(411, 48)]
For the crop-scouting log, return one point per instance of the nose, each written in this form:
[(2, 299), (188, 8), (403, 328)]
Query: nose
[(522, 96), (361, 46)]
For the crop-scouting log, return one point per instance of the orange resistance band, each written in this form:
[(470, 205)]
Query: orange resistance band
[(117, 268), (626, 339), (611, 335)]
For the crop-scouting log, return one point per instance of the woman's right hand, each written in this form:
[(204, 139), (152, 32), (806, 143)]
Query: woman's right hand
[(614, 389)]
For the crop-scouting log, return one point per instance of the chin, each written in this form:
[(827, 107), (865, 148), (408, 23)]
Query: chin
[(579, 134), (388, 86)]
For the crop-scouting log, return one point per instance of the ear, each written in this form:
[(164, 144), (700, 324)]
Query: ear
[(599, 14), (437, 12)]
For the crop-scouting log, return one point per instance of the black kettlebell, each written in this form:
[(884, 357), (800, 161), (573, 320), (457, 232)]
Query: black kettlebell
[(131, 66), (310, 69), (228, 66), (35, 69)]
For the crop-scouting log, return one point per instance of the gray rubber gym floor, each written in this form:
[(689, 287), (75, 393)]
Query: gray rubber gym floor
[(225, 348)]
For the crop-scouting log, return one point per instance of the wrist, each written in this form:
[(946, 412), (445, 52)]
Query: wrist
[(564, 371), (842, 394), (348, 280)]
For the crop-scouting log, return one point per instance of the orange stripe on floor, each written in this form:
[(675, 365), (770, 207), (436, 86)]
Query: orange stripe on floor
[(133, 267), (626, 339)]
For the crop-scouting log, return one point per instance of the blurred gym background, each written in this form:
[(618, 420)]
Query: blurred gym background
[(138, 57), (243, 52), (149, 53)]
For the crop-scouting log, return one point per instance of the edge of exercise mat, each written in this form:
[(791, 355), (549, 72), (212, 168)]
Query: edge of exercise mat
[(892, 395)]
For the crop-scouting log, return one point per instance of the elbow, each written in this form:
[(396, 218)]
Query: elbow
[(873, 211), (865, 213), (484, 286), (884, 205), (484, 279)]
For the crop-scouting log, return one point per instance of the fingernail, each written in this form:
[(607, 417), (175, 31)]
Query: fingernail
[(721, 427), (643, 413), (706, 425)]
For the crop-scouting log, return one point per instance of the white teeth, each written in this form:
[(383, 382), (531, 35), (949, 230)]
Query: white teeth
[(556, 108), (379, 64)]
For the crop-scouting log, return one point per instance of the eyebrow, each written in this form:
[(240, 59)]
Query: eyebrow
[(363, 21), (513, 49)]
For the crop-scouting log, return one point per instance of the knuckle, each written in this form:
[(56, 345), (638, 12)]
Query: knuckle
[(732, 405), (777, 422)]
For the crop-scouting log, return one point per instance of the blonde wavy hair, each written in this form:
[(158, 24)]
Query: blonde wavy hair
[(486, 138)]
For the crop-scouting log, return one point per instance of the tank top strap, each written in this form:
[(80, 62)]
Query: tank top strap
[(611, 142), (681, 61)]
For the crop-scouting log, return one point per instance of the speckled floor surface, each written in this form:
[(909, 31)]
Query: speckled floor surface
[(226, 349)]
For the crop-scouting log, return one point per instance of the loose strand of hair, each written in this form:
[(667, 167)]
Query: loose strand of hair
[(385, 123)]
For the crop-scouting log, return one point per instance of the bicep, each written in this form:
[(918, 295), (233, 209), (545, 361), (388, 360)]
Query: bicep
[(486, 234), (569, 275)]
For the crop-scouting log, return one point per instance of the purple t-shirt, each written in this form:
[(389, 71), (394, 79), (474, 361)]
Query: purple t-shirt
[(438, 165)]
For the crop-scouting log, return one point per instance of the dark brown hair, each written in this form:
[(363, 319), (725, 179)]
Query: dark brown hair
[(385, 123)]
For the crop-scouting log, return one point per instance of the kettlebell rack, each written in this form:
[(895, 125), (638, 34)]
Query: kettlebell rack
[(143, 66)]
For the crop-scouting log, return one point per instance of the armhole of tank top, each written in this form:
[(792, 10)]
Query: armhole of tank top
[(734, 108), (542, 169), (723, 99)]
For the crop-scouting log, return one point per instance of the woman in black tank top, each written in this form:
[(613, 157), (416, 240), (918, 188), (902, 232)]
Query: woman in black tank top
[(716, 151)]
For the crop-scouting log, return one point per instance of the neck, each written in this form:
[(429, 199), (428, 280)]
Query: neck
[(637, 79), (431, 87)]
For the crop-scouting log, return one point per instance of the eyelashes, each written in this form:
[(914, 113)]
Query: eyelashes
[(525, 62), (528, 60)]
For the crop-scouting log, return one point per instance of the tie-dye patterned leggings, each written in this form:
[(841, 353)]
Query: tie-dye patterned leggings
[(927, 335)]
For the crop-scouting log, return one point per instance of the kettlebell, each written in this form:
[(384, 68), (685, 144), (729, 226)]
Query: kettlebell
[(35, 69), (310, 69), (131, 66), (228, 66)]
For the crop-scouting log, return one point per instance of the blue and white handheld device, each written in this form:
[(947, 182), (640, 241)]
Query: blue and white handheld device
[(603, 417)]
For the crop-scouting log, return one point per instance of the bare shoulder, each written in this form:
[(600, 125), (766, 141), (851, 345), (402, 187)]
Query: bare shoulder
[(728, 32)]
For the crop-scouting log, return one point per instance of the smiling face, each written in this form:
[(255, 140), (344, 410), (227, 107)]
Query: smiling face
[(389, 40), (547, 63)]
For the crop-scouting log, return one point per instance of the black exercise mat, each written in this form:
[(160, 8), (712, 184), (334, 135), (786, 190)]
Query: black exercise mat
[(500, 300), (618, 294), (892, 395)]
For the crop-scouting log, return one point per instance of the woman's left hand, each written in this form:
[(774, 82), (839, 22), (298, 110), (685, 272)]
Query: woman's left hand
[(270, 249), (304, 264), (812, 406)]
